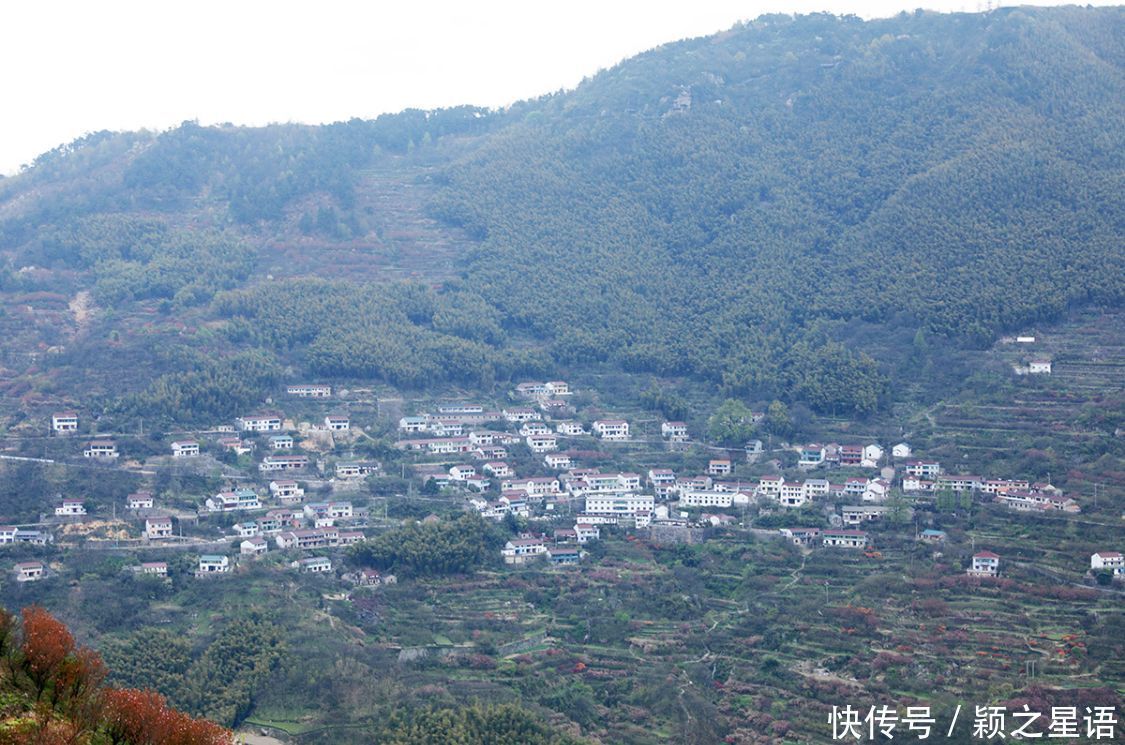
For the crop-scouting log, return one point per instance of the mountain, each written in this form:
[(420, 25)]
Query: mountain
[(749, 210)]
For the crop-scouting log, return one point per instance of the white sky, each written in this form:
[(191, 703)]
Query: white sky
[(74, 67)]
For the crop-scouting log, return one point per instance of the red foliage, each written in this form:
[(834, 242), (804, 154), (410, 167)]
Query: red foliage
[(144, 717), (46, 641), (77, 702)]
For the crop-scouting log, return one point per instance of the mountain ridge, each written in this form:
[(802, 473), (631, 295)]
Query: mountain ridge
[(720, 207)]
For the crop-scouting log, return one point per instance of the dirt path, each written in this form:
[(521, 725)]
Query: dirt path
[(82, 308)]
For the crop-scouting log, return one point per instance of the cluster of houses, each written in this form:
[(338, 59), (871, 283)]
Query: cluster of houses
[(815, 455), (1018, 494), (544, 421), (563, 549)]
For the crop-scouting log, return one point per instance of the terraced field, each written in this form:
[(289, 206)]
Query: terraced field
[(750, 640)]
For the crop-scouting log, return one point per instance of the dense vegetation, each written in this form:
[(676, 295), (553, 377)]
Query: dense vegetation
[(750, 210), (52, 691), (445, 547), (956, 174), (474, 725), (219, 682)]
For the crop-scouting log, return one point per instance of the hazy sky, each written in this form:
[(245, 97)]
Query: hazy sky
[(75, 67)]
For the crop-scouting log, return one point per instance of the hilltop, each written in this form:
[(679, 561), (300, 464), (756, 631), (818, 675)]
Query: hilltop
[(746, 210)]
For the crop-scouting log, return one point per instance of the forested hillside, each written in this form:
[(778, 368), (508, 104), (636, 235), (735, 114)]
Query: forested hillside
[(713, 207), (727, 208)]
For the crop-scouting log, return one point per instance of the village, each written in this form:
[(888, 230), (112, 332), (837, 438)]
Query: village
[(533, 462)]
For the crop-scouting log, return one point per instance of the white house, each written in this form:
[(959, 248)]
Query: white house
[(141, 500), (499, 469), (307, 390), (856, 514), (286, 491), (283, 463), (520, 414), (185, 448), (557, 461), (522, 550), (627, 504), (877, 491), (584, 532), (462, 472), (158, 527), (770, 486), (337, 422), (313, 565), (246, 530), (843, 538), (29, 571), (71, 508), (923, 469), (355, 470), (612, 429), (100, 449), (254, 546), (1039, 367), (265, 421), (676, 431), (213, 564), (792, 494), (281, 442), (700, 498), (64, 422), (1111, 560), (570, 429), (872, 454), (985, 564), (719, 467), (230, 501), (536, 485), (157, 568), (901, 450), (534, 428), (542, 443)]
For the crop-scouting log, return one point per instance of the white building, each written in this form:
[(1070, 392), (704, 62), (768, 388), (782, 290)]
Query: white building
[(141, 500), (272, 463), (158, 527), (337, 422), (570, 429), (313, 565), (286, 491), (100, 449), (676, 431), (901, 450), (29, 571), (266, 421), (1111, 560), (985, 564), (307, 390), (185, 449), (71, 508), (542, 443), (254, 546), (231, 501), (627, 504), (64, 422), (462, 472), (522, 550), (843, 538), (612, 429), (156, 568), (872, 454), (213, 564), (704, 498)]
